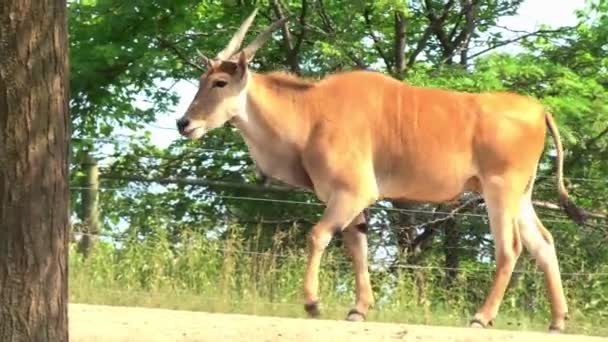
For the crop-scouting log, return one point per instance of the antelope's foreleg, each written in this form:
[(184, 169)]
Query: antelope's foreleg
[(340, 211)]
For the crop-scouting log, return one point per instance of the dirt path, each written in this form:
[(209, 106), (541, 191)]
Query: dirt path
[(107, 323)]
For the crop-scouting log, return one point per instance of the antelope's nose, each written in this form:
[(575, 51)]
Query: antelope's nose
[(182, 124)]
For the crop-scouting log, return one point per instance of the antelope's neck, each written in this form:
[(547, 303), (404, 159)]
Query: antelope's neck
[(275, 128)]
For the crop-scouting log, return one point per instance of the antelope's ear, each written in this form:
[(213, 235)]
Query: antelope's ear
[(243, 62)]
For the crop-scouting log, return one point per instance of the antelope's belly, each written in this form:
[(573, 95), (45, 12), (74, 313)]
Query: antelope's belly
[(425, 187), (285, 168)]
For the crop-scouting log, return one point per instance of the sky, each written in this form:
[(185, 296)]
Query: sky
[(532, 14)]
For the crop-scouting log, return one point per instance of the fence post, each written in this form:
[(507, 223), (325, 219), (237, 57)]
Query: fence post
[(89, 207)]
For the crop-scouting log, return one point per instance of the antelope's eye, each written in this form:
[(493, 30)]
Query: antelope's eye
[(219, 84)]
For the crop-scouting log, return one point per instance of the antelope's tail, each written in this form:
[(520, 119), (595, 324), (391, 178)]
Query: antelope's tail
[(575, 213)]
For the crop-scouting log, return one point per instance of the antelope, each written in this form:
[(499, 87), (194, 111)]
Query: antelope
[(357, 137)]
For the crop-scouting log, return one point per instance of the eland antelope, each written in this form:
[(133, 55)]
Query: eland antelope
[(357, 137)]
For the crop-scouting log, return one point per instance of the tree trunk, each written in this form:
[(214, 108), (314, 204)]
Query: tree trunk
[(34, 192), (406, 231), (291, 52), (399, 44), (451, 251)]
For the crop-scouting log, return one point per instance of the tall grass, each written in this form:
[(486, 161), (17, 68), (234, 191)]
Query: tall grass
[(233, 274)]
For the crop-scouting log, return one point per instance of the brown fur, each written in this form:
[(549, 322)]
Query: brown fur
[(284, 80)]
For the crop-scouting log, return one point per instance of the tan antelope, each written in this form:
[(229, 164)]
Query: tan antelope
[(358, 137)]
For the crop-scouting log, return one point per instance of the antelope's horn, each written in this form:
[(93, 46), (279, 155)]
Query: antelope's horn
[(263, 37), (238, 37)]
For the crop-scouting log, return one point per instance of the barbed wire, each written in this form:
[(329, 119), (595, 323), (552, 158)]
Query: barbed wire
[(565, 220), (174, 129), (373, 264), (126, 237), (225, 151), (318, 204), (270, 188), (183, 148)]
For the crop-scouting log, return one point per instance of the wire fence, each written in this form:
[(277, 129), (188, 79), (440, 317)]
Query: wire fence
[(376, 264), (123, 138), (346, 263), (446, 214)]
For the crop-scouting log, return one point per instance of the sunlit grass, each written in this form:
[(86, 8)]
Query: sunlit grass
[(221, 276)]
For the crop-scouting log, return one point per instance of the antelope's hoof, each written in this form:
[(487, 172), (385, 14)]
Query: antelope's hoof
[(355, 315), (559, 325), (477, 323), (553, 329), (312, 309)]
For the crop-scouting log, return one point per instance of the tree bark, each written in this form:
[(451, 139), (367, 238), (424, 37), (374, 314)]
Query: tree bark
[(399, 43), (291, 48), (367, 16), (34, 192), (451, 251)]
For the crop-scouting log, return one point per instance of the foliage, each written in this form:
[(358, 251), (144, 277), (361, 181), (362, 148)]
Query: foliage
[(124, 55)]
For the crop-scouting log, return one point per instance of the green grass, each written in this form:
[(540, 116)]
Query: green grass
[(220, 276)]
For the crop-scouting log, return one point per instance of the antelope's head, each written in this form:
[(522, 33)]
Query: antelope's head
[(222, 90)]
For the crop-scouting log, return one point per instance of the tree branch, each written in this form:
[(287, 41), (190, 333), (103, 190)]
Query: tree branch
[(399, 42), (436, 24), (430, 11), (178, 53), (516, 39), (461, 42), (300, 36), (454, 29), (419, 47), (589, 148), (290, 46), (278, 11), (358, 61), (556, 207), (368, 22), (473, 201), (329, 26), (422, 238), (593, 140)]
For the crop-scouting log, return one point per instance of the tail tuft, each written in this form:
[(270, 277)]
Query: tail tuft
[(575, 213)]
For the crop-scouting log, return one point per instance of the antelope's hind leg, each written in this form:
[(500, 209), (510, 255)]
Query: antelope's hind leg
[(503, 208), (539, 242)]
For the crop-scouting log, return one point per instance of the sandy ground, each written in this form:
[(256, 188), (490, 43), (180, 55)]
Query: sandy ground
[(107, 323)]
